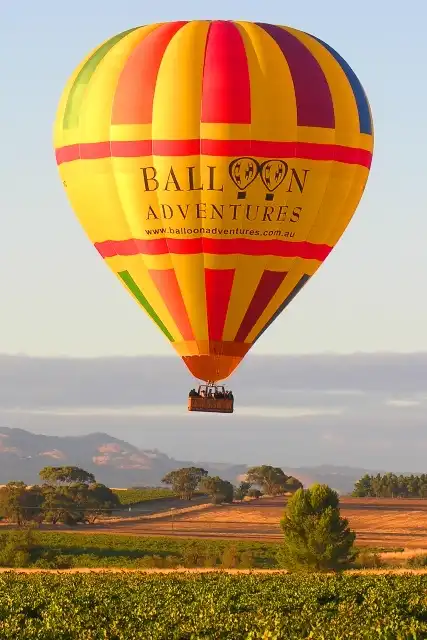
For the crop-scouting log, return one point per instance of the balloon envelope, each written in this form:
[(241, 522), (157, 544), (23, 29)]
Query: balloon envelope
[(214, 166)]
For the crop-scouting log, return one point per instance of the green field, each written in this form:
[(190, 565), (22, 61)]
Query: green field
[(212, 607), (55, 550), (67, 550), (129, 497)]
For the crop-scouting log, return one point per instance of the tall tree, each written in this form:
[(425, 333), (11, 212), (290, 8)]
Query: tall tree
[(316, 537), (242, 490), (65, 476), (272, 480), (99, 501), (217, 489), (363, 487), (391, 485), (20, 503), (293, 484), (185, 481), (72, 495)]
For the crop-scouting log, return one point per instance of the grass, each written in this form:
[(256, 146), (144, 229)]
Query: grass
[(77, 550), (63, 550)]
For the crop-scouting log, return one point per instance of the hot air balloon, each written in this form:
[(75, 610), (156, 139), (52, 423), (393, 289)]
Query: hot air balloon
[(213, 165)]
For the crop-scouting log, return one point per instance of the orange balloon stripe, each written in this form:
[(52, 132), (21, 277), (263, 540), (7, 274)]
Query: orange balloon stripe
[(167, 284), (220, 148), (226, 94), (191, 246), (133, 100), (218, 284), (267, 287)]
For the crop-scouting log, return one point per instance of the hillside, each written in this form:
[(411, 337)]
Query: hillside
[(120, 464), (114, 462)]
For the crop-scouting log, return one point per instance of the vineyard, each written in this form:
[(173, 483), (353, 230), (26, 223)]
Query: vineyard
[(212, 607), (129, 497)]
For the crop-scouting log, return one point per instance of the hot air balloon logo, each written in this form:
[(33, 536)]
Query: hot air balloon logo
[(243, 172), (273, 173), (155, 131)]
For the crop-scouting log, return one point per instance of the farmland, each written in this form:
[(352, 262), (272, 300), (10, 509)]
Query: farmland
[(129, 497), (242, 535), (212, 606), (377, 522)]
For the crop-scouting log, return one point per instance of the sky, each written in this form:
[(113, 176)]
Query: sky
[(359, 410), (57, 296)]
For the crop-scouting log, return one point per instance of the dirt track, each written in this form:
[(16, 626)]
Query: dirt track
[(377, 522)]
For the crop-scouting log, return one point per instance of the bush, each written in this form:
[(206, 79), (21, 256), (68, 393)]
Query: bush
[(246, 560), (49, 560), (417, 562), (230, 558), (193, 556), (368, 560), (210, 560), (17, 549)]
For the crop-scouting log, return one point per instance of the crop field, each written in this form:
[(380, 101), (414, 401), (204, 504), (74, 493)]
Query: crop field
[(212, 606), (130, 497), (377, 522)]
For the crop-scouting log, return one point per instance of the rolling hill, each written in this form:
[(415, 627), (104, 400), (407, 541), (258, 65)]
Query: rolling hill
[(117, 463)]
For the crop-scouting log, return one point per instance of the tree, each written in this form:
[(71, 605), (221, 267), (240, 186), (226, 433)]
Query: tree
[(391, 485), (242, 490), (100, 500), (185, 481), (58, 504), (272, 480), (217, 489), (293, 484), (17, 547), (20, 503), (72, 495), (316, 538), (66, 475), (363, 487)]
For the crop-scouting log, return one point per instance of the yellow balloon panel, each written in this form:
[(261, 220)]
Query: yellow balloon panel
[(214, 166)]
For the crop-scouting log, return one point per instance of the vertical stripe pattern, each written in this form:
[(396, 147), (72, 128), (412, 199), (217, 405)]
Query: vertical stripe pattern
[(226, 96), (314, 100), (214, 165), (133, 99), (219, 283)]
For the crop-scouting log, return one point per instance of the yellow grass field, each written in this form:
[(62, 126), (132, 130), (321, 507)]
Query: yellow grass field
[(377, 522)]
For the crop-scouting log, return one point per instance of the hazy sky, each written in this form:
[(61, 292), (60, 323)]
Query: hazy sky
[(362, 410), (56, 295)]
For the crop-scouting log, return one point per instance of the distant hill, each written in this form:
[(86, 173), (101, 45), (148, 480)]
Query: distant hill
[(114, 462), (117, 463)]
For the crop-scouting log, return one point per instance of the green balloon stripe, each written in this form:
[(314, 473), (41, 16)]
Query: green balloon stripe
[(136, 291), (75, 99)]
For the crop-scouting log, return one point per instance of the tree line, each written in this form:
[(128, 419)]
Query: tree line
[(390, 485), (263, 479), (70, 495)]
